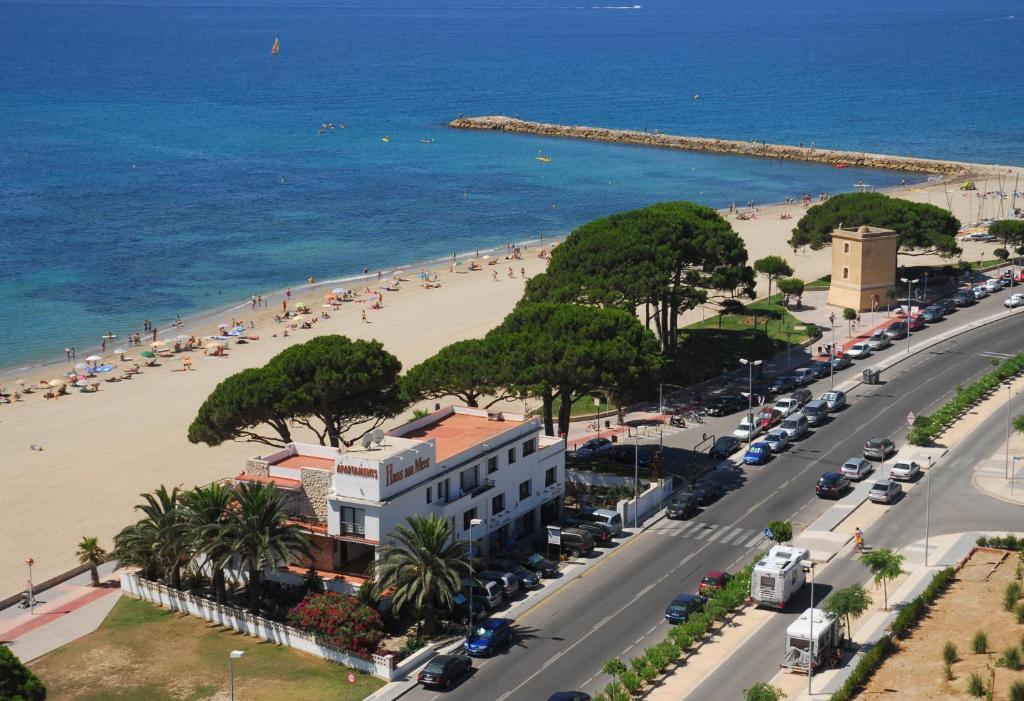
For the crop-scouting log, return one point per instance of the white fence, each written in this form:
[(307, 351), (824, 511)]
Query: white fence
[(382, 666), (649, 502)]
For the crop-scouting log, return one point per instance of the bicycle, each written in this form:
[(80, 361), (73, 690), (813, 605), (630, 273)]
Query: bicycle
[(593, 427)]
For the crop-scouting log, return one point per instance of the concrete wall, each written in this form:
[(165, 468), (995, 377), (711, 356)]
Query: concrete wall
[(650, 502)]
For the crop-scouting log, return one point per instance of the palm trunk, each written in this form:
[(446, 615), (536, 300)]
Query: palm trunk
[(254, 590), (176, 576), (95, 574), (219, 587)]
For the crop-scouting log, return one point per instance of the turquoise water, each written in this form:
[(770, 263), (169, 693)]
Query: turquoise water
[(155, 159)]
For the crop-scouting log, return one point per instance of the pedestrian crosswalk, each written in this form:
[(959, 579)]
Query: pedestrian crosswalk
[(709, 533)]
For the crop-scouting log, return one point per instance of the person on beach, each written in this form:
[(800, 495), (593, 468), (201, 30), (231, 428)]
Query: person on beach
[(365, 320), (67, 353), (495, 275), (510, 273), (103, 345), (154, 334), (522, 273)]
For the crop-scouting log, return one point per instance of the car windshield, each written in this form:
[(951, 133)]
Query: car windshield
[(535, 559), (484, 632), (880, 486), (710, 580), (434, 667)]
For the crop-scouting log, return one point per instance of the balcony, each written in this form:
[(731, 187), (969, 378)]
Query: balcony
[(352, 530), (472, 492)]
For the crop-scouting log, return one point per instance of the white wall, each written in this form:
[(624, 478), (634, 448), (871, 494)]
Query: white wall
[(650, 502)]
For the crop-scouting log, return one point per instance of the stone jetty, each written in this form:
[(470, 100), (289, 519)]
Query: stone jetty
[(758, 149)]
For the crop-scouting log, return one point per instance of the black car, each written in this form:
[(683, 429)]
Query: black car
[(724, 404), (725, 446), (782, 383), (704, 491), (933, 313), (532, 561), (444, 669), (682, 606), (683, 506), (820, 368), (964, 299), (461, 604), (759, 388), (841, 362), (569, 696), (602, 532), (831, 485), (529, 578), (897, 330), (626, 454), (948, 304)]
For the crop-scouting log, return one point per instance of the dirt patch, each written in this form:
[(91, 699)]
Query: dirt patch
[(973, 603)]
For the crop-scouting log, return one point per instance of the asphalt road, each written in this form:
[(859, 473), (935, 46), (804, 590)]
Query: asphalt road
[(616, 609)]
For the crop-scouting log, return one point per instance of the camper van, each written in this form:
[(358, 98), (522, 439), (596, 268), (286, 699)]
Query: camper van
[(816, 638), (777, 576)]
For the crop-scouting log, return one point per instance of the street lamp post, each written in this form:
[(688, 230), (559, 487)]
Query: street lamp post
[(927, 510), (809, 565), (234, 655), (469, 616), (925, 276), (909, 283), (831, 357), (750, 397), (31, 593), (636, 475)]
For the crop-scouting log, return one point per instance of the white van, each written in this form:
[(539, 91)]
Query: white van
[(795, 425), (605, 516), (777, 576)]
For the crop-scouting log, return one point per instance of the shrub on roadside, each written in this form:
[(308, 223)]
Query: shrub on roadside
[(1011, 659), (975, 685), (339, 620), (949, 653), (1017, 691), (980, 643), (1010, 596)]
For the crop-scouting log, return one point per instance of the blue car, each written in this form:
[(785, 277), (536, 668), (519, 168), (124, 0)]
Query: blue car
[(490, 636), (683, 606), (757, 454)]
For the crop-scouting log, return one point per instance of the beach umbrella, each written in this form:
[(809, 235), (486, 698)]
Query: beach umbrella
[(340, 291), (222, 326), (81, 366), (147, 354), (93, 359), (157, 344), (120, 351), (81, 383)]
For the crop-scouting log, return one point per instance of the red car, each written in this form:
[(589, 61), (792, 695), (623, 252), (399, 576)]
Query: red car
[(915, 322), (766, 418), (712, 582)]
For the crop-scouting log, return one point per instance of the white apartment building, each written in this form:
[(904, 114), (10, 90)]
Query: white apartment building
[(459, 463)]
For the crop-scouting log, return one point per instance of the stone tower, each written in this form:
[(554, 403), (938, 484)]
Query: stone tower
[(863, 267)]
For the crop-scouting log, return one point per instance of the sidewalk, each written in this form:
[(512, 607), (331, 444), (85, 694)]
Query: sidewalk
[(62, 614), (990, 476)]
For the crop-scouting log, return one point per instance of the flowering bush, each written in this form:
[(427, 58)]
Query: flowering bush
[(341, 621)]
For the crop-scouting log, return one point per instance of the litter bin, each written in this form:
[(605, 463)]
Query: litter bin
[(870, 376)]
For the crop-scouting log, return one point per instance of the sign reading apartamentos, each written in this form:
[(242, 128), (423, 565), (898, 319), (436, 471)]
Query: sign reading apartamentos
[(392, 475), (355, 470)]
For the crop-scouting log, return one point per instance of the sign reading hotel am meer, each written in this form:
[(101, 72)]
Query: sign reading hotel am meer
[(392, 475)]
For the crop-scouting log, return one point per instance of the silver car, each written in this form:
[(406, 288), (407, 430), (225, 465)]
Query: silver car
[(859, 350), (1014, 300), (904, 470), (836, 399), (885, 492), (879, 340), (777, 439), (856, 468)]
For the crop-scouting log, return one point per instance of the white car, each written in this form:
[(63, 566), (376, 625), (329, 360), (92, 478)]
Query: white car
[(787, 406), (993, 284), (859, 350), (979, 292), (777, 439), (1014, 300), (904, 470), (747, 430), (856, 468)]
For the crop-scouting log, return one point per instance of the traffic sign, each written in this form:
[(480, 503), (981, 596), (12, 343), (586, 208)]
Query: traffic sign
[(911, 419)]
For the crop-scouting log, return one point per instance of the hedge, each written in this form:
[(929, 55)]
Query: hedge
[(905, 620), (926, 428)]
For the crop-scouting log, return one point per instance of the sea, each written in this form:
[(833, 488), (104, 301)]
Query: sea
[(156, 159)]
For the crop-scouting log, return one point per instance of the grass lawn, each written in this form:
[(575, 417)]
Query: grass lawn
[(770, 310), (145, 653), (584, 406)]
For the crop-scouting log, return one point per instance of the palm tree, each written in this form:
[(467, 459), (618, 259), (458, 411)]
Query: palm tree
[(206, 516), (424, 566), (259, 535), (135, 546), (886, 566), (158, 543), (90, 553)]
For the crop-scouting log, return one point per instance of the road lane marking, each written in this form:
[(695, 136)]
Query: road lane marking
[(714, 536), (753, 541), (733, 534), (705, 531)]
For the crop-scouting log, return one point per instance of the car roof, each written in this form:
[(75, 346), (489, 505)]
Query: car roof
[(856, 460), (445, 659), (495, 623), (830, 475), (715, 574), (883, 483), (685, 598), (761, 445)]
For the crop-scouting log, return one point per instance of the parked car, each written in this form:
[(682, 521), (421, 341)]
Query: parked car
[(904, 470), (705, 491), (606, 516), (787, 406), (444, 669), (748, 429), (757, 454), (724, 404), (993, 284), (759, 389), (533, 561), (856, 468), (593, 448), (508, 582), (490, 594), (569, 696), (915, 322), (602, 533), (627, 454), (487, 638), (897, 330), (816, 412), (796, 426), (777, 439), (576, 542), (879, 449), (948, 305), (527, 577), (1014, 300), (841, 362), (885, 491), (683, 606), (682, 506), (724, 447), (935, 312), (879, 340), (804, 376), (820, 368), (802, 395), (460, 603), (979, 292), (768, 417), (964, 298), (831, 485), (858, 350), (782, 383), (835, 398), (712, 582)]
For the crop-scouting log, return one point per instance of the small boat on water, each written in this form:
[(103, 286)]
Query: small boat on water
[(386, 139), (544, 159), (841, 165), (426, 141), (276, 48)]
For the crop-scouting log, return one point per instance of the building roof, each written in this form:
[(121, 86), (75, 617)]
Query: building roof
[(456, 432), (282, 482), (300, 461), (861, 233)]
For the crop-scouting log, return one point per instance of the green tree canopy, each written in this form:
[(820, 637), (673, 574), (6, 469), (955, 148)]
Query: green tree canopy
[(91, 553), (849, 603), (329, 384), (885, 566), (773, 268), (1009, 231), (922, 228), (782, 531), (791, 287), (665, 258), (468, 370), (763, 691), (567, 350), (17, 682)]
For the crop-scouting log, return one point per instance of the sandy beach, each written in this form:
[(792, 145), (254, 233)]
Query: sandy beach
[(101, 450)]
